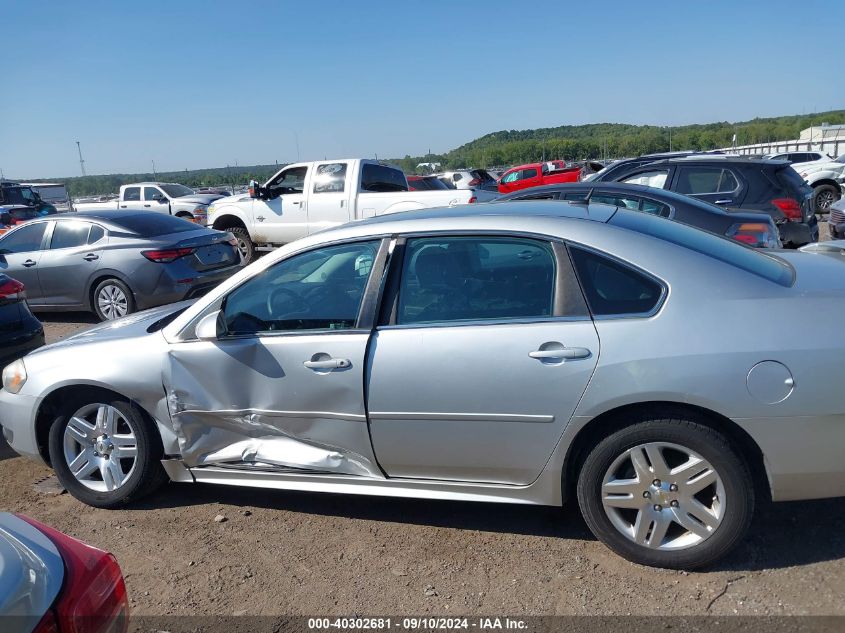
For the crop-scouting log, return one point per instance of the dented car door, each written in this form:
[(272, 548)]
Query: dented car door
[(282, 386)]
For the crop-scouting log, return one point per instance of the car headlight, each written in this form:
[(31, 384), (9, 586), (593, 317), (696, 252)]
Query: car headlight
[(14, 376)]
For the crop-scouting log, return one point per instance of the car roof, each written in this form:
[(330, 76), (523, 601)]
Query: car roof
[(105, 216), (717, 158)]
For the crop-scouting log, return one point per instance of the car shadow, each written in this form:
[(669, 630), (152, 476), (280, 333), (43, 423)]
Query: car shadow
[(67, 317), (782, 535), (6, 451)]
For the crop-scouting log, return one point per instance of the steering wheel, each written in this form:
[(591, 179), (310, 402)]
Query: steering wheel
[(298, 305)]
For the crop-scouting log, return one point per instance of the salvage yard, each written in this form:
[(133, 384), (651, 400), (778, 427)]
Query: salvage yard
[(222, 550)]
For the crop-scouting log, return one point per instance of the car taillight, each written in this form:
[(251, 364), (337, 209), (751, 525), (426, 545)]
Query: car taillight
[(93, 596), (167, 255), (472, 200), (790, 207), (12, 289), (757, 234)]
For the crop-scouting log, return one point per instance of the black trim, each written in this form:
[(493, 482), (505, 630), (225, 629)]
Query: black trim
[(569, 296), (372, 293)]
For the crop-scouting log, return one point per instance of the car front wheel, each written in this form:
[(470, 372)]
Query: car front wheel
[(105, 452), (666, 493)]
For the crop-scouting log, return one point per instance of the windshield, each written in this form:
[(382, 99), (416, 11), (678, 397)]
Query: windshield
[(177, 191)]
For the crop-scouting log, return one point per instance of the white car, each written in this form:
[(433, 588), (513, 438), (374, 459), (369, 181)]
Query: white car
[(478, 180), (824, 174)]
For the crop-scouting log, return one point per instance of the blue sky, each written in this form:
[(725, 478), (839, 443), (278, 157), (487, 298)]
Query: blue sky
[(191, 83)]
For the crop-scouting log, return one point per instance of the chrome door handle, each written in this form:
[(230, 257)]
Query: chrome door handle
[(146, 205), (90, 257), (29, 263), (723, 201), (565, 353), (331, 363), (123, 206)]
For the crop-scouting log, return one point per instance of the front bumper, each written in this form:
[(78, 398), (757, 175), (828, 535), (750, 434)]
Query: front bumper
[(17, 417)]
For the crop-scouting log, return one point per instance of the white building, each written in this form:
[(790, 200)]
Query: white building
[(823, 132)]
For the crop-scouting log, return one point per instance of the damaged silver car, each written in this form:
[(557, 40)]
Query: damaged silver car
[(525, 353)]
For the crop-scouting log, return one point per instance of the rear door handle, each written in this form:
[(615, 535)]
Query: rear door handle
[(331, 363), (90, 257), (29, 263), (723, 201), (123, 206), (563, 354)]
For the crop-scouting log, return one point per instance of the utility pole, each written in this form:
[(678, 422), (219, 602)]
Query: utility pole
[(155, 176), (296, 137), (81, 162)]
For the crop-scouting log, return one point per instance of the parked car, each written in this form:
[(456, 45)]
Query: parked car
[(162, 197), (14, 195), (755, 229), (426, 183), (524, 352), (836, 220), (609, 172), (734, 182), (799, 157), (54, 193), (468, 179), (827, 178), (54, 583), (307, 197), (115, 262), (537, 174), (20, 331)]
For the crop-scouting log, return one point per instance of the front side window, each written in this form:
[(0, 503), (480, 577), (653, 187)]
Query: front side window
[(653, 178), (23, 240), (318, 290), (330, 178), (511, 177), (153, 193), (475, 278), (290, 181), (703, 180), (613, 289), (131, 194), (178, 191), (69, 234)]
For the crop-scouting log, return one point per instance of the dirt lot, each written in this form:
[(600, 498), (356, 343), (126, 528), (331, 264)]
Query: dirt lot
[(291, 553)]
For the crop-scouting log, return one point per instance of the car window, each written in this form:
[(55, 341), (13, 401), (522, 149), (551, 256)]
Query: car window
[(330, 178), (152, 224), (576, 195), (69, 234), (653, 178), (545, 195), (290, 180), (456, 177), (626, 202), (318, 290), (703, 180), (612, 288), (528, 173), (97, 233), (469, 279), (23, 240), (511, 177), (131, 194), (152, 193), (655, 208), (381, 178)]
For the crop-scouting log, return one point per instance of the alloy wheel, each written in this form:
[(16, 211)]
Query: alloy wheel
[(824, 199), (112, 302), (100, 447), (663, 496)]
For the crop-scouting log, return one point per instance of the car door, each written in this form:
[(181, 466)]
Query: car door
[(20, 254), (715, 184), (328, 203), (281, 215), (281, 388), (131, 199), (486, 352), (155, 200), (71, 257)]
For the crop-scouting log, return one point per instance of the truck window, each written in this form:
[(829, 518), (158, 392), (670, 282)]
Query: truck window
[(381, 178), (152, 193), (131, 194), (289, 181), (330, 178)]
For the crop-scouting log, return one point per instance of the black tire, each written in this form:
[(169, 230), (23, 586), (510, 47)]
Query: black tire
[(100, 311), (824, 196), (706, 442), (147, 475), (245, 244)]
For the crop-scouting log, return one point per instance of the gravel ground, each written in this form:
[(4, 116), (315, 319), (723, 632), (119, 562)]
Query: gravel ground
[(283, 553)]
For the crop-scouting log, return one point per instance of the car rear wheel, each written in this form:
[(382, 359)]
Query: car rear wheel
[(666, 493), (105, 452), (113, 299), (245, 245), (825, 196)]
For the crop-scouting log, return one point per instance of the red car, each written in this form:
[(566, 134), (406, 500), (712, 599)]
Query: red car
[(536, 174)]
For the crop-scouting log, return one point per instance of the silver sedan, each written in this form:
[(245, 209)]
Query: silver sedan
[(523, 352)]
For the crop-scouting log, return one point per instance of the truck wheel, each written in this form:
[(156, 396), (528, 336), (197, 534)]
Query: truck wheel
[(245, 245), (113, 299), (825, 196)]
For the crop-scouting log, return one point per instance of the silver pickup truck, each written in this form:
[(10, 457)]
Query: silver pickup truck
[(164, 197)]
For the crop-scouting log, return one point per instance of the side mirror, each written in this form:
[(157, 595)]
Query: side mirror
[(210, 327), (163, 200), (254, 189)]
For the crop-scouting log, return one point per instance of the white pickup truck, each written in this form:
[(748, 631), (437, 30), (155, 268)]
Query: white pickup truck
[(307, 197), (164, 197)]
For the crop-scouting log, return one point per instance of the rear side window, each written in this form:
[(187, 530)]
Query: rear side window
[(132, 193), (330, 178), (709, 244), (794, 185), (702, 180), (97, 233), (150, 225), (69, 235), (528, 173), (654, 178), (381, 178), (612, 288)]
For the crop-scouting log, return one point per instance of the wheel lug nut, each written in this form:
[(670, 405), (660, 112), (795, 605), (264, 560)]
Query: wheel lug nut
[(673, 488), (647, 494), (658, 507), (656, 482), (674, 503)]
